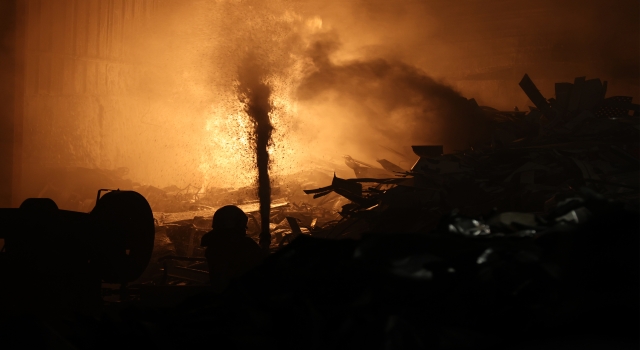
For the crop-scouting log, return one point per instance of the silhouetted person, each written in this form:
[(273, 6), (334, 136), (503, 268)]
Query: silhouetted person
[(230, 253)]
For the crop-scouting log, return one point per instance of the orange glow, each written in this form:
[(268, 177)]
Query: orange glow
[(154, 91), (227, 159)]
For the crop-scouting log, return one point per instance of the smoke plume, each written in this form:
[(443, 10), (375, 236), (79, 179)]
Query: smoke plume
[(255, 94), (389, 103)]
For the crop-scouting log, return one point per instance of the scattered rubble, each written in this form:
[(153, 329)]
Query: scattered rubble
[(535, 160)]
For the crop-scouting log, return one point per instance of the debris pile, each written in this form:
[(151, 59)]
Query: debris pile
[(534, 160)]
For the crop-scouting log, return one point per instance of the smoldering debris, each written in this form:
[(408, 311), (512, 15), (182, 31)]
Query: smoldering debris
[(533, 160)]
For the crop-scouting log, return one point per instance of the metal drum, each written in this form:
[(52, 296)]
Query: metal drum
[(123, 223)]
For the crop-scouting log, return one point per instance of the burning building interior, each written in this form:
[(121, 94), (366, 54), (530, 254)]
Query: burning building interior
[(319, 174)]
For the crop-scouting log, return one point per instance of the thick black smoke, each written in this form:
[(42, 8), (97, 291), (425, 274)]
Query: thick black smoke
[(398, 103), (256, 94)]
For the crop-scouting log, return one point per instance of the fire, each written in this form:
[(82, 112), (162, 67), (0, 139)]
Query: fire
[(226, 157), (226, 149)]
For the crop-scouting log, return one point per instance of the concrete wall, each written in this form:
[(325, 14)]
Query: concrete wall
[(80, 72)]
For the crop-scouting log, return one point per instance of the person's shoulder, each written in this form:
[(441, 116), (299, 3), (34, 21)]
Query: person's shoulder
[(207, 239)]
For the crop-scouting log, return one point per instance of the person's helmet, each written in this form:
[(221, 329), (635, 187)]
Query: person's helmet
[(230, 219)]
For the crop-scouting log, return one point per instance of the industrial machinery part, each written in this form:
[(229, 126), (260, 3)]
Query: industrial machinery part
[(124, 223), (113, 242)]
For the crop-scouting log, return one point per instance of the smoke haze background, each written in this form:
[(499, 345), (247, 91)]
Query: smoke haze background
[(347, 77)]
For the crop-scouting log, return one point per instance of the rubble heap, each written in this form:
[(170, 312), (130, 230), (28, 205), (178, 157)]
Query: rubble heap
[(534, 160)]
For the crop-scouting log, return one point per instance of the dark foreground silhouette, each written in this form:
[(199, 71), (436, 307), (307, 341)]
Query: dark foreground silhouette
[(230, 253), (568, 281)]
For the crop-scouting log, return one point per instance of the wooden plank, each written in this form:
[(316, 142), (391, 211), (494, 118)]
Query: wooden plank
[(536, 97), (189, 215)]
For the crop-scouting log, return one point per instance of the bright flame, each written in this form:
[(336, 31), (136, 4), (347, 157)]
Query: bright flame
[(227, 158), (227, 148)]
